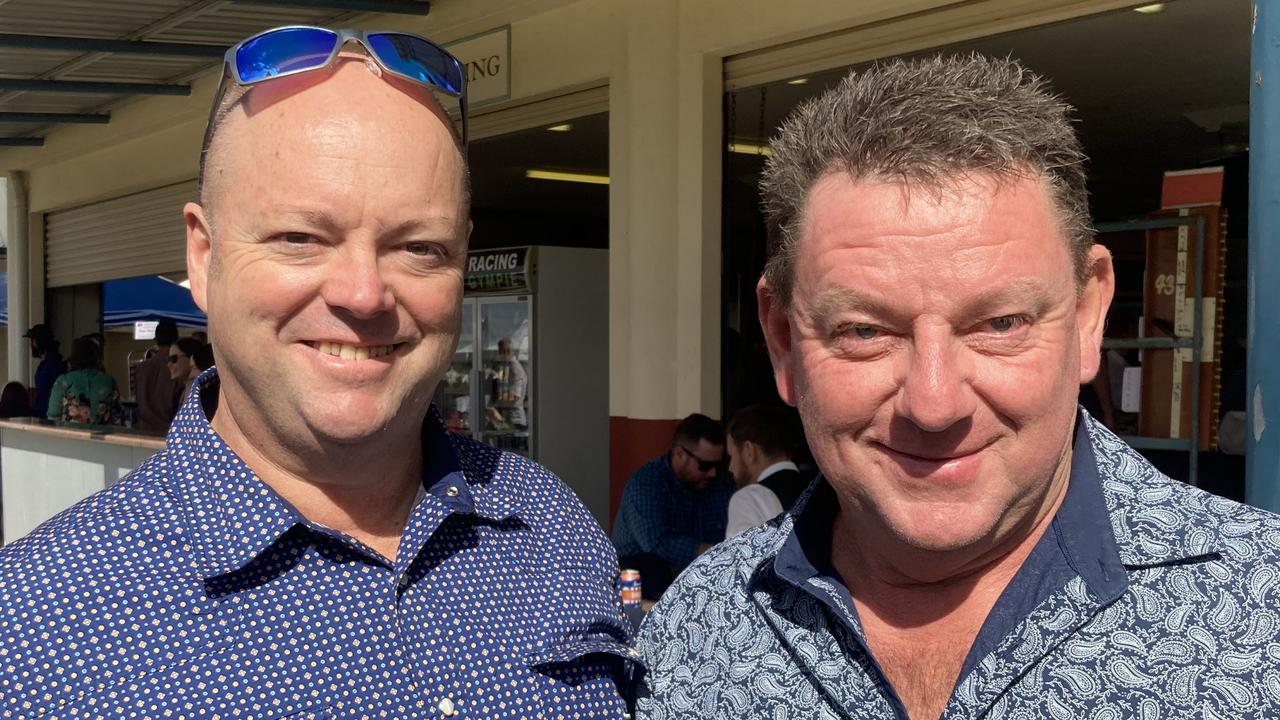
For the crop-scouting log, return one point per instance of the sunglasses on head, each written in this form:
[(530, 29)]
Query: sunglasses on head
[(703, 465), (294, 49)]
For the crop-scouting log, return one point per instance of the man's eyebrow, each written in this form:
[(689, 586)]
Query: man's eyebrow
[(433, 224), (836, 300), (1025, 293), (318, 219), (322, 220)]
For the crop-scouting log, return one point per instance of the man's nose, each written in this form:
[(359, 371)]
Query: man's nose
[(936, 391), (356, 284)]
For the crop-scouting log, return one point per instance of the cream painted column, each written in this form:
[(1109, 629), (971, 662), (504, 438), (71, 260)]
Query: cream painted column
[(19, 318), (700, 161), (643, 257), (664, 222)]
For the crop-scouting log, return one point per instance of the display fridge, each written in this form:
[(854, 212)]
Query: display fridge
[(530, 374), (486, 392)]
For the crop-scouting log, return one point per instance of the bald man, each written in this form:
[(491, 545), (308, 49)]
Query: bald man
[(311, 543)]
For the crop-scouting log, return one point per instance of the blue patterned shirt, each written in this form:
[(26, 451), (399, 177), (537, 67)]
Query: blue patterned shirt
[(660, 516), (191, 590), (1146, 598)]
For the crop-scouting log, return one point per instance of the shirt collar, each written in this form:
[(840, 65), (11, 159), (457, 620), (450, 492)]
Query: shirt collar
[(777, 468), (491, 484), (1082, 525), (1154, 520), (233, 516)]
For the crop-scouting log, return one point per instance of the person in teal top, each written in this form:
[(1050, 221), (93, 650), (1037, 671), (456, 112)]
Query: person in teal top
[(85, 395)]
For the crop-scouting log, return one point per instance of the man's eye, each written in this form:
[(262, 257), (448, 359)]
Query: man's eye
[(423, 249), (865, 332), (297, 238), (1005, 323)]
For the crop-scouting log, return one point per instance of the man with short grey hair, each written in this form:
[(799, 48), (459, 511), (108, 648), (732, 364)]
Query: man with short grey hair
[(975, 546)]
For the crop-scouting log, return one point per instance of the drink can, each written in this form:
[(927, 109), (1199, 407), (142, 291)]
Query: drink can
[(630, 587)]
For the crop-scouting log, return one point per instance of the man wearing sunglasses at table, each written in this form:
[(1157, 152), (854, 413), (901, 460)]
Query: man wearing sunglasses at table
[(311, 543), (675, 507)]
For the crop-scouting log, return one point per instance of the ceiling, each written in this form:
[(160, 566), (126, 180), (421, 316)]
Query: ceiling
[(161, 43), (509, 208), (1153, 92)]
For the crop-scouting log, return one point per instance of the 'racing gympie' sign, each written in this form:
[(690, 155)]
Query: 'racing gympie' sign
[(502, 270)]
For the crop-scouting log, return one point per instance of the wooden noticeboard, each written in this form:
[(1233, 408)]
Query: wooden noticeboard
[(1169, 311)]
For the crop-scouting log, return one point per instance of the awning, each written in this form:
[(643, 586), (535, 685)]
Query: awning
[(149, 298)]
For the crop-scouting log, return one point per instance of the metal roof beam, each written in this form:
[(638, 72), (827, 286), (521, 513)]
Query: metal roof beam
[(21, 142), (402, 7), (42, 117), (101, 88), (132, 47)]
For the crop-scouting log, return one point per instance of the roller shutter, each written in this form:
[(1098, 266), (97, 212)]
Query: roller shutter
[(139, 234)]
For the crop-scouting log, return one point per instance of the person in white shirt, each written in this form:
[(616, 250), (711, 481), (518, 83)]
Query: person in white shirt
[(759, 440)]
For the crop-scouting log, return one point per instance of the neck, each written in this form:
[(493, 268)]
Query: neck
[(765, 464), (365, 490), (909, 587)]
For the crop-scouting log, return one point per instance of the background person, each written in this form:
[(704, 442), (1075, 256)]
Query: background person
[(182, 366), (673, 508), (760, 440), (158, 392), (13, 401), (203, 358), (44, 347), (84, 395), (515, 383)]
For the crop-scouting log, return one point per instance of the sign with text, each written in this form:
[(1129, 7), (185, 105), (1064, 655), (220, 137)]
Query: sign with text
[(505, 270), (145, 329), (486, 59)]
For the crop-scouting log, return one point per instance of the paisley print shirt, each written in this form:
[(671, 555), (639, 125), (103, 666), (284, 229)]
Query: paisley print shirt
[(190, 590), (1170, 610)]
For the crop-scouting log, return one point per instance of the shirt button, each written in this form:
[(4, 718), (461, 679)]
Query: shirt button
[(404, 581), (446, 708), (452, 491)]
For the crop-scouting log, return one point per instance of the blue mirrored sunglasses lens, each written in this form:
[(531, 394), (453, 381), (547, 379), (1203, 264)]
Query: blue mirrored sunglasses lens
[(282, 51), (418, 59)]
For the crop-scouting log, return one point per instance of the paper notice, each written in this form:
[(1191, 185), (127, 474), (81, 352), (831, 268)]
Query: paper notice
[(1131, 390)]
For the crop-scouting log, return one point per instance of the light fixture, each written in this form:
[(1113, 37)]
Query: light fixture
[(1151, 9), (798, 81), (562, 127), (743, 148), (590, 179)]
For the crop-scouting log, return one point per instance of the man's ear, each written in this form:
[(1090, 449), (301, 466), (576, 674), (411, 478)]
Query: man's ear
[(199, 253), (775, 320), (1091, 310)]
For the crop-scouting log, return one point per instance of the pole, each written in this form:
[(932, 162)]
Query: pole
[(19, 353), (1262, 405)]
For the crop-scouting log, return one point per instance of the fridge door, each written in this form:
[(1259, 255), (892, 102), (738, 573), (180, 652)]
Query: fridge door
[(506, 370), (454, 397)]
